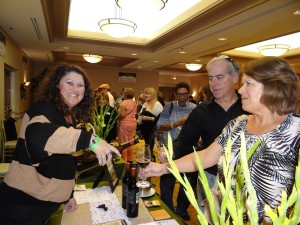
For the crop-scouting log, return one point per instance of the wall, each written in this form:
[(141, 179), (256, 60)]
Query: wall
[(100, 75), (13, 60)]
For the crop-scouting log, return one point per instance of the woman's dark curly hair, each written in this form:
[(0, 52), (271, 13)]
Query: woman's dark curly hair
[(48, 91)]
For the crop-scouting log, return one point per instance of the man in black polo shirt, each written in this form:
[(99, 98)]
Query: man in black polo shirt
[(207, 120)]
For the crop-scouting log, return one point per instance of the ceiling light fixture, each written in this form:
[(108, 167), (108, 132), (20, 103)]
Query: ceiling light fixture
[(273, 50), (117, 27), (152, 5), (92, 58), (193, 66)]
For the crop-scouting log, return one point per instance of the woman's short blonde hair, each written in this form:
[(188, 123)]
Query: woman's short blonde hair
[(281, 84)]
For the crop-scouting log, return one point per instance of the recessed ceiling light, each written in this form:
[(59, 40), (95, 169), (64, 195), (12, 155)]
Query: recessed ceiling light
[(134, 54), (156, 61), (182, 52), (66, 48), (139, 67), (222, 39), (174, 78), (297, 12), (198, 60)]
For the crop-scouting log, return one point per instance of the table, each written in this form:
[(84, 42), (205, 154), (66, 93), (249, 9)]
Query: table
[(82, 214)]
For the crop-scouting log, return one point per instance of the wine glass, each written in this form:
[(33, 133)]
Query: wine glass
[(143, 158), (160, 143)]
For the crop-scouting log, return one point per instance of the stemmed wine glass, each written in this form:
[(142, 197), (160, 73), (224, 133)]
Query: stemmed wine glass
[(160, 143), (143, 158)]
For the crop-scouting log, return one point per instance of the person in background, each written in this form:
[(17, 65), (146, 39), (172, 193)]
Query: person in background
[(140, 101), (148, 117), (191, 99), (207, 94), (41, 176), (119, 99), (106, 88), (207, 120), (9, 125), (127, 122), (270, 91), (161, 98), (171, 119), (105, 107)]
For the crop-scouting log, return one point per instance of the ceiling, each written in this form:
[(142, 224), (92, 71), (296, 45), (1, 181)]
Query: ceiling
[(241, 22)]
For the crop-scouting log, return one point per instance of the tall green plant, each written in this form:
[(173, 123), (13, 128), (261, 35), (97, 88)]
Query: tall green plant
[(232, 208), (98, 119)]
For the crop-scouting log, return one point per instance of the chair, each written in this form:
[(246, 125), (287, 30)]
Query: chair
[(3, 170), (7, 147)]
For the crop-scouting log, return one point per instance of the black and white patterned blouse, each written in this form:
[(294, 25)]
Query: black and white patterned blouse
[(272, 166)]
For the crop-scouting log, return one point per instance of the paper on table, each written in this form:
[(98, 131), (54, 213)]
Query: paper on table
[(102, 196), (162, 222), (92, 195), (160, 214)]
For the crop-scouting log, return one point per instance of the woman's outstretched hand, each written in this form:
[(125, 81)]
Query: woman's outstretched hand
[(153, 170), (104, 152)]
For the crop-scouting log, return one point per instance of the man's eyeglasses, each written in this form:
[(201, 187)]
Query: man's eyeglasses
[(182, 94), (235, 65)]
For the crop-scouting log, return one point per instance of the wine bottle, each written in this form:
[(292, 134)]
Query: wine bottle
[(125, 185), (124, 145), (132, 196)]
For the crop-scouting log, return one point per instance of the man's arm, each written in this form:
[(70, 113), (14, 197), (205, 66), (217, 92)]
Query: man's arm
[(163, 124)]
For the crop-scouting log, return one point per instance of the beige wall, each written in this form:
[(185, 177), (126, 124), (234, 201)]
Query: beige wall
[(13, 61), (100, 75)]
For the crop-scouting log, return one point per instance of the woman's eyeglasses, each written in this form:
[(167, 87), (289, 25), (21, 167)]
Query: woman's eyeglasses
[(182, 94)]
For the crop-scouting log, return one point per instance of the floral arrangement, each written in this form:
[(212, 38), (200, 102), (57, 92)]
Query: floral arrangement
[(232, 209), (98, 119)]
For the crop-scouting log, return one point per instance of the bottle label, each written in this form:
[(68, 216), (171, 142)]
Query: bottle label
[(137, 198), (131, 198)]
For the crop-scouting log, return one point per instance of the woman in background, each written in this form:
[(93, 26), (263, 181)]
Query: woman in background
[(108, 117), (149, 116), (127, 122)]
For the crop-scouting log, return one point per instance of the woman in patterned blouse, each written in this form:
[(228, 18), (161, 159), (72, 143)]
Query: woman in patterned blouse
[(270, 92)]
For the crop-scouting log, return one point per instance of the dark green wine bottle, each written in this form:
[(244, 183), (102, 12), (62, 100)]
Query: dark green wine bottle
[(125, 185), (133, 196)]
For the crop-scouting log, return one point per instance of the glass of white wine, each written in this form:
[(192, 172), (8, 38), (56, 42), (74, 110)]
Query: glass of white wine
[(143, 158)]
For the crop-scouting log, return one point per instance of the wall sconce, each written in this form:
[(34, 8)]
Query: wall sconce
[(23, 87), (25, 84)]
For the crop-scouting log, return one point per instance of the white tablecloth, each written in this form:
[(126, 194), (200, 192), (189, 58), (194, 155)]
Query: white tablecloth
[(82, 215)]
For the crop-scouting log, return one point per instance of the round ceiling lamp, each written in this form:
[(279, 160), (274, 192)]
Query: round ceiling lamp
[(117, 27), (193, 66), (274, 49), (92, 58), (149, 5)]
